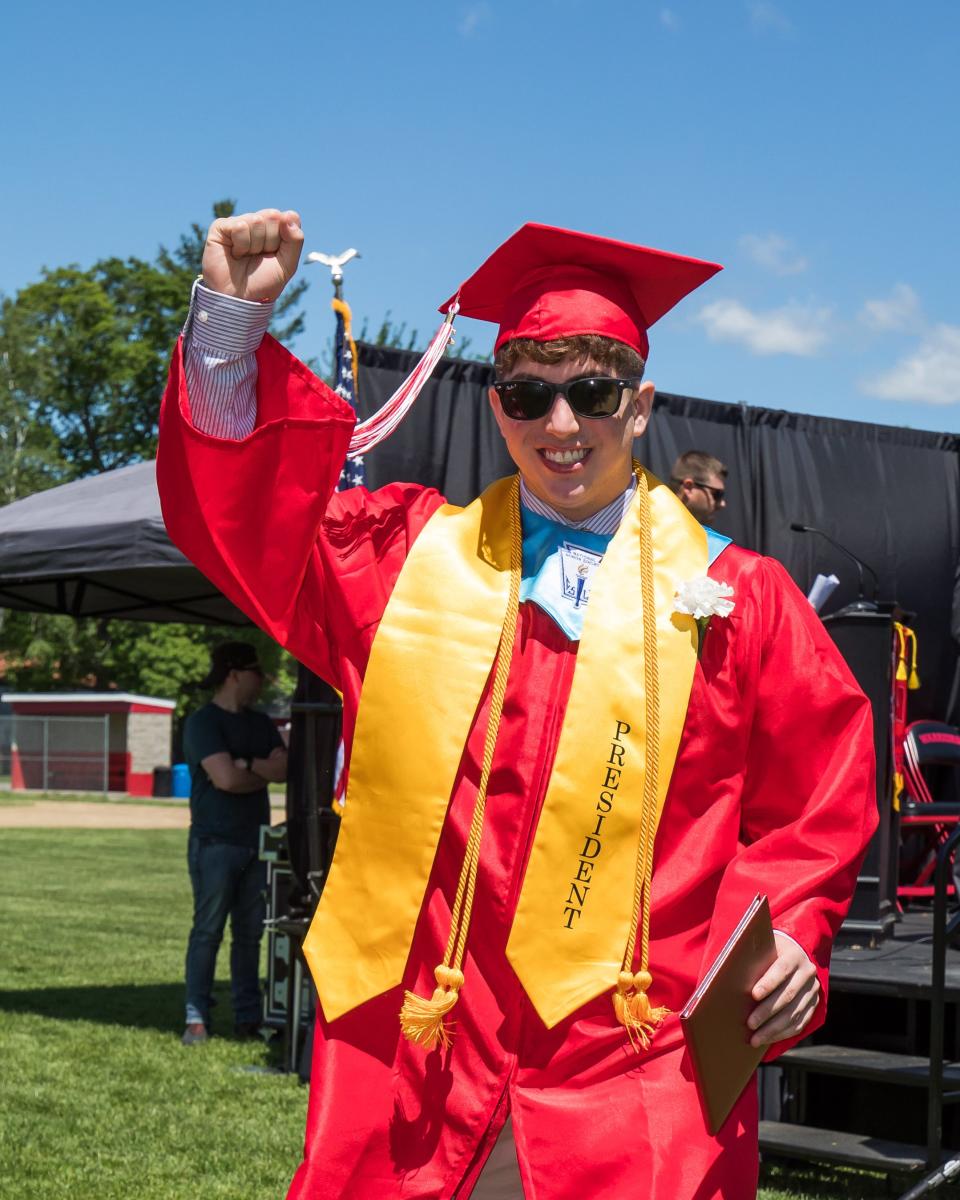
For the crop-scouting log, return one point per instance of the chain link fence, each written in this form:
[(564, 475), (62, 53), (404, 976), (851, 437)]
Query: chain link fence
[(55, 753)]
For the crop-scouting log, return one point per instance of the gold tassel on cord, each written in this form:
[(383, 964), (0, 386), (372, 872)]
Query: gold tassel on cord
[(422, 1021), (634, 1010), (914, 681)]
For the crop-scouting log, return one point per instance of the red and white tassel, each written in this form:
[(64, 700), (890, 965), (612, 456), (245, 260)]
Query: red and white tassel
[(376, 429)]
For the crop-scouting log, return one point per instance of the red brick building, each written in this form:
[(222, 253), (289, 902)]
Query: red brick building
[(88, 741)]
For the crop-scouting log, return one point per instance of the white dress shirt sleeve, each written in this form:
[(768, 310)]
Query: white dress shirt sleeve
[(220, 341)]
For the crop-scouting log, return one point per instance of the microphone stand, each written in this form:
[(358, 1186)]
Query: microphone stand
[(861, 604)]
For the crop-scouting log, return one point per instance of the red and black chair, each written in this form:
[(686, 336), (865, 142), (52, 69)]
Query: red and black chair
[(925, 822)]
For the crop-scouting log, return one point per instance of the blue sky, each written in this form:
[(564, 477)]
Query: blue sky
[(811, 147)]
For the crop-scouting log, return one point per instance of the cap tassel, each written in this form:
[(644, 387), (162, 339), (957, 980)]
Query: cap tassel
[(421, 1020), (378, 428)]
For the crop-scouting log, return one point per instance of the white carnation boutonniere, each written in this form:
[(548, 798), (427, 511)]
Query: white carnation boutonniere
[(703, 598)]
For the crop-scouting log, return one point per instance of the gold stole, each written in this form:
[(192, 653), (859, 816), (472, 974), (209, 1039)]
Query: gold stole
[(428, 667)]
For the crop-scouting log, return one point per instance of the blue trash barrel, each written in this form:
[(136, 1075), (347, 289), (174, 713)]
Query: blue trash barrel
[(181, 780)]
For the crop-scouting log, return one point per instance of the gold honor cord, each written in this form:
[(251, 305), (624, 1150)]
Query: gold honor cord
[(586, 892), (421, 1020), (631, 1003)]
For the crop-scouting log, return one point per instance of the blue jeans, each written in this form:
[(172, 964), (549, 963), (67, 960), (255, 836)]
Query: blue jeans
[(227, 881)]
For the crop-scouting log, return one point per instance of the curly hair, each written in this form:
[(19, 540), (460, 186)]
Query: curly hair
[(608, 354)]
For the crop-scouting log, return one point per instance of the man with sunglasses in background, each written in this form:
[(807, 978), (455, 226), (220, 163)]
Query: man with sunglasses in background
[(700, 481), (233, 752), (590, 731)]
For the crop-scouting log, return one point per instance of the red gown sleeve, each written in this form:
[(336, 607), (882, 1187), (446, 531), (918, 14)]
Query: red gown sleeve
[(809, 799), (261, 518)]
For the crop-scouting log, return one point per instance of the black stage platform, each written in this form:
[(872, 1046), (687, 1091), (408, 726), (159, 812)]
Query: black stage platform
[(901, 965), (860, 1091)]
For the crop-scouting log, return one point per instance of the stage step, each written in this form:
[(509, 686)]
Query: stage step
[(847, 1149), (876, 1065)]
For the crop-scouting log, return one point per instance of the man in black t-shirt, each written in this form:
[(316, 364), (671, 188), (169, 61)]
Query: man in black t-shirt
[(233, 752)]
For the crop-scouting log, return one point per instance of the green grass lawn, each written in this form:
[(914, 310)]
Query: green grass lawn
[(98, 1099)]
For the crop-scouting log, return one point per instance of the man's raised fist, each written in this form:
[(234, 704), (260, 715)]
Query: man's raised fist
[(253, 256)]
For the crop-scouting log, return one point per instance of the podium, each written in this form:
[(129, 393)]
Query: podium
[(864, 636)]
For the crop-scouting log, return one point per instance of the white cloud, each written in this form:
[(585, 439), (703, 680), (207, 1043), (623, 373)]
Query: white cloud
[(897, 313), (472, 17), (795, 329), (669, 19), (931, 375), (766, 16), (773, 252)]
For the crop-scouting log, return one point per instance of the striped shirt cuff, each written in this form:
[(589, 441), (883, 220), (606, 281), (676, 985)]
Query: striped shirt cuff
[(225, 325), (220, 341)]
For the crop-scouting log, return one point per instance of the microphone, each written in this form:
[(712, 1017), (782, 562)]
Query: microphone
[(858, 562)]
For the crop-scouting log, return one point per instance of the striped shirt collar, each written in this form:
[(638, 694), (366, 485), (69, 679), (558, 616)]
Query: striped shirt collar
[(607, 520)]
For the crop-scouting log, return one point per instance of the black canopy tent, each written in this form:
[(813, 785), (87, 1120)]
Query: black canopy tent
[(97, 547)]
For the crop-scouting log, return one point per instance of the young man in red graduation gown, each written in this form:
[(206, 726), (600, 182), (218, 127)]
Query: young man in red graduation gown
[(589, 732)]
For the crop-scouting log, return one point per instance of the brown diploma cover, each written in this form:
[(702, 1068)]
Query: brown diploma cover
[(714, 1020)]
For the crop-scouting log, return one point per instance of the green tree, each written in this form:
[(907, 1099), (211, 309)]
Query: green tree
[(84, 365), (30, 458), (46, 652), (169, 660)]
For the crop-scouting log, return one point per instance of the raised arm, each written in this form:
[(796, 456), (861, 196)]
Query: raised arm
[(247, 262), (252, 445)]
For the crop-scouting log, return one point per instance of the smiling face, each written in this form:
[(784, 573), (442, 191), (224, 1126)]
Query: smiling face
[(577, 465)]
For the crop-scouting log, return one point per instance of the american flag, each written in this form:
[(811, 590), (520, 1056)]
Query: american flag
[(352, 474)]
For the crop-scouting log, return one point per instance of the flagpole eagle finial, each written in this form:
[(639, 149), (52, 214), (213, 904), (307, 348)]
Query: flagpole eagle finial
[(334, 261)]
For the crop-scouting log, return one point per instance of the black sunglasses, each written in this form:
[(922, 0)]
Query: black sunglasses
[(717, 493), (594, 397)]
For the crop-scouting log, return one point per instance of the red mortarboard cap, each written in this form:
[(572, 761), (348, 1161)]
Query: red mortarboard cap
[(545, 283)]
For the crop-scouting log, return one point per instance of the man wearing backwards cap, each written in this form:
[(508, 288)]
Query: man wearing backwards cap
[(564, 787)]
